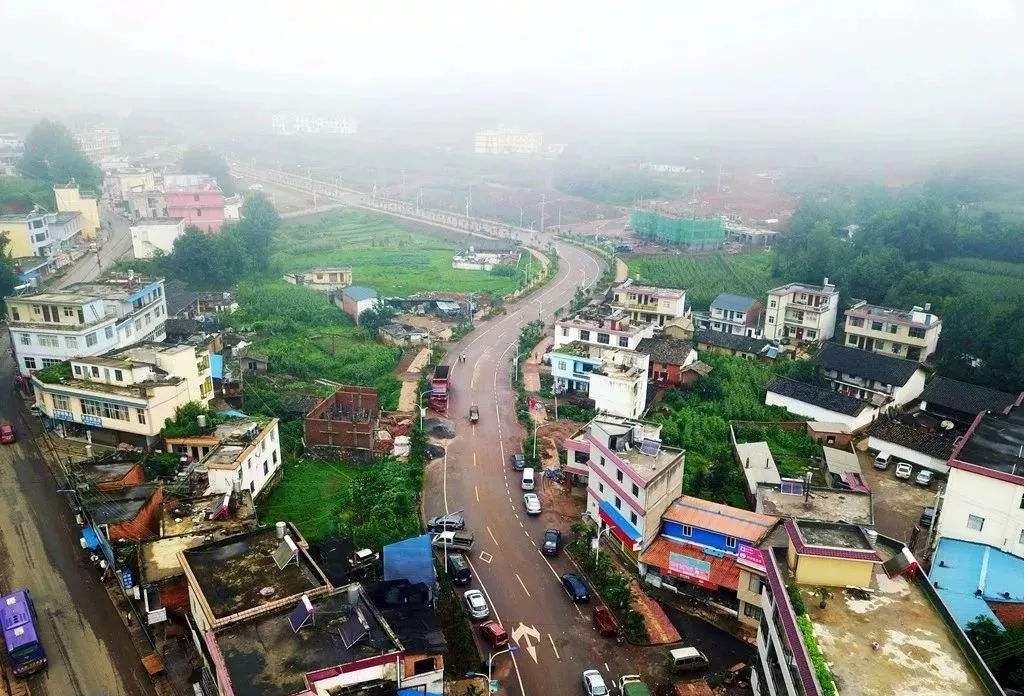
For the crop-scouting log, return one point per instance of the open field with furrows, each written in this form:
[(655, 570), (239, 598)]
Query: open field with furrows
[(386, 256), (704, 277)]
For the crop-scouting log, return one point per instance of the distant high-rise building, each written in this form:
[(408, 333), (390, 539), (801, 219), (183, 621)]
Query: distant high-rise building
[(296, 124), (508, 141), (98, 140)]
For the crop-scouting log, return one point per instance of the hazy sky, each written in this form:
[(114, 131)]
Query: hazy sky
[(947, 68)]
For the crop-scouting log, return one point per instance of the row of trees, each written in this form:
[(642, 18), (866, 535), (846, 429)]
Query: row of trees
[(907, 251)]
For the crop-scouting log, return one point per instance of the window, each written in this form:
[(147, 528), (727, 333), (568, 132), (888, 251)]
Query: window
[(892, 328), (601, 486), (916, 332), (274, 456), (620, 476), (755, 584), (265, 468), (565, 331), (26, 339), (754, 612), (30, 363), (634, 518), (623, 341), (857, 322), (876, 326), (91, 339), (71, 342), (731, 542), (562, 365), (851, 339), (14, 314), (603, 338), (975, 522), (425, 665), (48, 362), (635, 490), (61, 402), (49, 341), (617, 502), (1020, 539), (686, 530), (879, 344), (77, 369), (82, 317), (141, 415), (239, 473), (771, 304), (118, 376), (94, 371), (584, 335), (68, 311), (109, 332)]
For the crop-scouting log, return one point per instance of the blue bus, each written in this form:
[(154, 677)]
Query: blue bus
[(18, 622)]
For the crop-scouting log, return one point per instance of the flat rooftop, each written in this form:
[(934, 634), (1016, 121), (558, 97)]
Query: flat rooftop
[(823, 504), (192, 515), (841, 536), (578, 349), (265, 657), (975, 575), (917, 655), (996, 444), (646, 466), (232, 572), (898, 316)]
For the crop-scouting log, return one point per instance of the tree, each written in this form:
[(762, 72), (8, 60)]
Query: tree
[(21, 195), (8, 279), (257, 228), (202, 160), (371, 320), (52, 156), (1002, 650)]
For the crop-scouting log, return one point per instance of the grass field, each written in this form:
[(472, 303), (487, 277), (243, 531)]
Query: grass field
[(385, 256), (704, 277), (310, 495), (1000, 281)]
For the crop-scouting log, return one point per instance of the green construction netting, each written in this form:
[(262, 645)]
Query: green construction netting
[(678, 231)]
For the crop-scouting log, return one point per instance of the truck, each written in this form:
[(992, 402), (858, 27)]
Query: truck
[(453, 541), (439, 395), (632, 685)]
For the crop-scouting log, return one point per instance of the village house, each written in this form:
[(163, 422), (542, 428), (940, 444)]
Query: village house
[(155, 234), (733, 314), (820, 404), (801, 313), (404, 335), (355, 300), (913, 335), (40, 234), (346, 420), (917, 438), (125, 514), (139, 204), (198, 199), (85, 319), (125, 395), (70, 200), (831, 434), (961, 402), (614, 378), (326, 279), (598, 328), (882, 380), (737, 345), (238, 454), (672, 363), (977, 579), (633, 477), (642, 303)]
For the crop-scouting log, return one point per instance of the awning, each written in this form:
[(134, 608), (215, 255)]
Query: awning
[(92, 541), (623, 530)]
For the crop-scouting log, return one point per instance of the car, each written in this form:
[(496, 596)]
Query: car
[(575, 586), (532, 504), (882, 461), (517, 461), (474, 600), (446, 523), (458, 568), (927, 515), (473, 414), (593, 684), (6, 433), (903, 470), (494, 634), (551, 542), (924, 477), (688, 660)]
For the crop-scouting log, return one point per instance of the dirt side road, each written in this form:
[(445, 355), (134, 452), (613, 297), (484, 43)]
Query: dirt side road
[(89, 650)]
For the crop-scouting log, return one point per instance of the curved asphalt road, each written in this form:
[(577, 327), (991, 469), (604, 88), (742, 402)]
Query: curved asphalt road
[(521, 584)]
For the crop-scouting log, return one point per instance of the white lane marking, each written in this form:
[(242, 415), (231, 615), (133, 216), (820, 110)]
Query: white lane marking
[(522, 583), (474, 458), (606, 666), (487, 557), (476, 495), (486, 592), (491, 535), (553, 645), (549, 566)]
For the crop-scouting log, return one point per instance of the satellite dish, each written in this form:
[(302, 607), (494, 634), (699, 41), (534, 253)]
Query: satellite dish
[(946, 425)]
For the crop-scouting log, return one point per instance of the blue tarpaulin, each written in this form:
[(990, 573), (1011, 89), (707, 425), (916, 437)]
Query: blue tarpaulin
[(217, 365), (92, 541), (232, 413), (410, 559)]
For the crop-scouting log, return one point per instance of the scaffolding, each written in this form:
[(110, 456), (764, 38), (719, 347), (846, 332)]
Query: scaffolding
[(703, 234)]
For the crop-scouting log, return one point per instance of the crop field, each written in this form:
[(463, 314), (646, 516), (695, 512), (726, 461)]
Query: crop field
[(385, 256), (704, 277), (310, 496), (1000, 281)]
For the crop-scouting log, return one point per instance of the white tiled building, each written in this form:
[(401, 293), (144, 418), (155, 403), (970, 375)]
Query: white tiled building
[(508, 141), (153, 234), (242, 453), (802, 312)]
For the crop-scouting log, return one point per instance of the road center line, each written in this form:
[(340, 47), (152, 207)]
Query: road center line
[(476, 495), (491, 535), (553, 645), (446, 504), (522, 583)]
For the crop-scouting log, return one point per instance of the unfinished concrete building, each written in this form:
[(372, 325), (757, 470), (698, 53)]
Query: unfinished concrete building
[(347, 420)]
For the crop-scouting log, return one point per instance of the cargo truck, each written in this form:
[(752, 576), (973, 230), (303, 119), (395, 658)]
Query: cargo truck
[(439, 396)]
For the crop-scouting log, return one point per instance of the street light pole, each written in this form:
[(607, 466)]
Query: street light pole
[(600, 532), (421, 410)]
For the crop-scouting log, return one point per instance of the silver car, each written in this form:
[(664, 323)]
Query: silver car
[(593, 684), (474, 600), (532, 504)]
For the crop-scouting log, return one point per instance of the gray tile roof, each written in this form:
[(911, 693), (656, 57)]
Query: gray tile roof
[(359, 292), (734, 303), (864, 363), (913, 438), (816, 396), (965, 398), (665, 350), (732, 341)]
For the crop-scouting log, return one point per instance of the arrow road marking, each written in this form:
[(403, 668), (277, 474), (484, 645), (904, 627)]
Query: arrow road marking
[(523, 631)]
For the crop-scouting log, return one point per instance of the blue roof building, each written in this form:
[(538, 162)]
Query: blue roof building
[(976, 579)]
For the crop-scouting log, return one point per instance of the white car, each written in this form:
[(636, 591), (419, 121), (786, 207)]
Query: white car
[(882, 461), (593, 684), (475, 602), (924, 477), (532, 504), (903, 470)]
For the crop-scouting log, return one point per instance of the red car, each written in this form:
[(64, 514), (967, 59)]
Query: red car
[(494, 634), (6, 434)]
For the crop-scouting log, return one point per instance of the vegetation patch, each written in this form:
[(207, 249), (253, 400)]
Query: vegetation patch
[(310, 495), (821, 669), (705, 277), (611, 583)]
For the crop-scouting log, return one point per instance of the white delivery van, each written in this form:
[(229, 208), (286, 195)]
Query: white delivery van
[(528, 479)]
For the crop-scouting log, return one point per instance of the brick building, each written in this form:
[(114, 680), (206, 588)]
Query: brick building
[(347, 420)]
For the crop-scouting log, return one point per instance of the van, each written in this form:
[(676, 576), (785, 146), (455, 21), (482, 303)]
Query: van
[(458, 569), (688, 660), (528, 479)]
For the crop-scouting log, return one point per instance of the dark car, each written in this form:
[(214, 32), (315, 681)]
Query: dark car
[(458, 568), (446, 523), (575, 586), (517, 461), (927, 515), (551, 542)]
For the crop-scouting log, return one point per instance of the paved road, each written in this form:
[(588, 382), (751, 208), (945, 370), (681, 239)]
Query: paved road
[(111, 246), (521, 584), (88, 647)]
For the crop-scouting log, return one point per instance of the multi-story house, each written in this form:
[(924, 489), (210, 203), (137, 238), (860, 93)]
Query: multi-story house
[(984, 499), (124, 395), (802, 312), (323, 278), (40, 233), (98, 140), (617, 331), (733, 314), (149, 203), (633, 478), (85, 319), (614, 378), (240, 454), (508, 141), (642, 303), (70, 200), (882, 380), (202, 204), (155, 234), (913, 335), (124, 180)]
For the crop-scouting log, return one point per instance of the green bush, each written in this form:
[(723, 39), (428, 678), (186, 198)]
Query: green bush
[(462, 654), (185, 423), (796, 600), (821, 669)]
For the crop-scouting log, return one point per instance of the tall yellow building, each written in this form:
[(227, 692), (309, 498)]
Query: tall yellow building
[(71, 200)]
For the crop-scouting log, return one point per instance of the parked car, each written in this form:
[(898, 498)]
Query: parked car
[(688, 660), (458, 568), (632, 685), (446, 523), (6, 433), (551, 542), (924, 477), (532, 504), (904, 470), (593, 684), (575, 586), (474, 600), (494, 634), (517, 461), (882, 461), (473, 414), (453, 541), (927, 515), (604, 621)]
